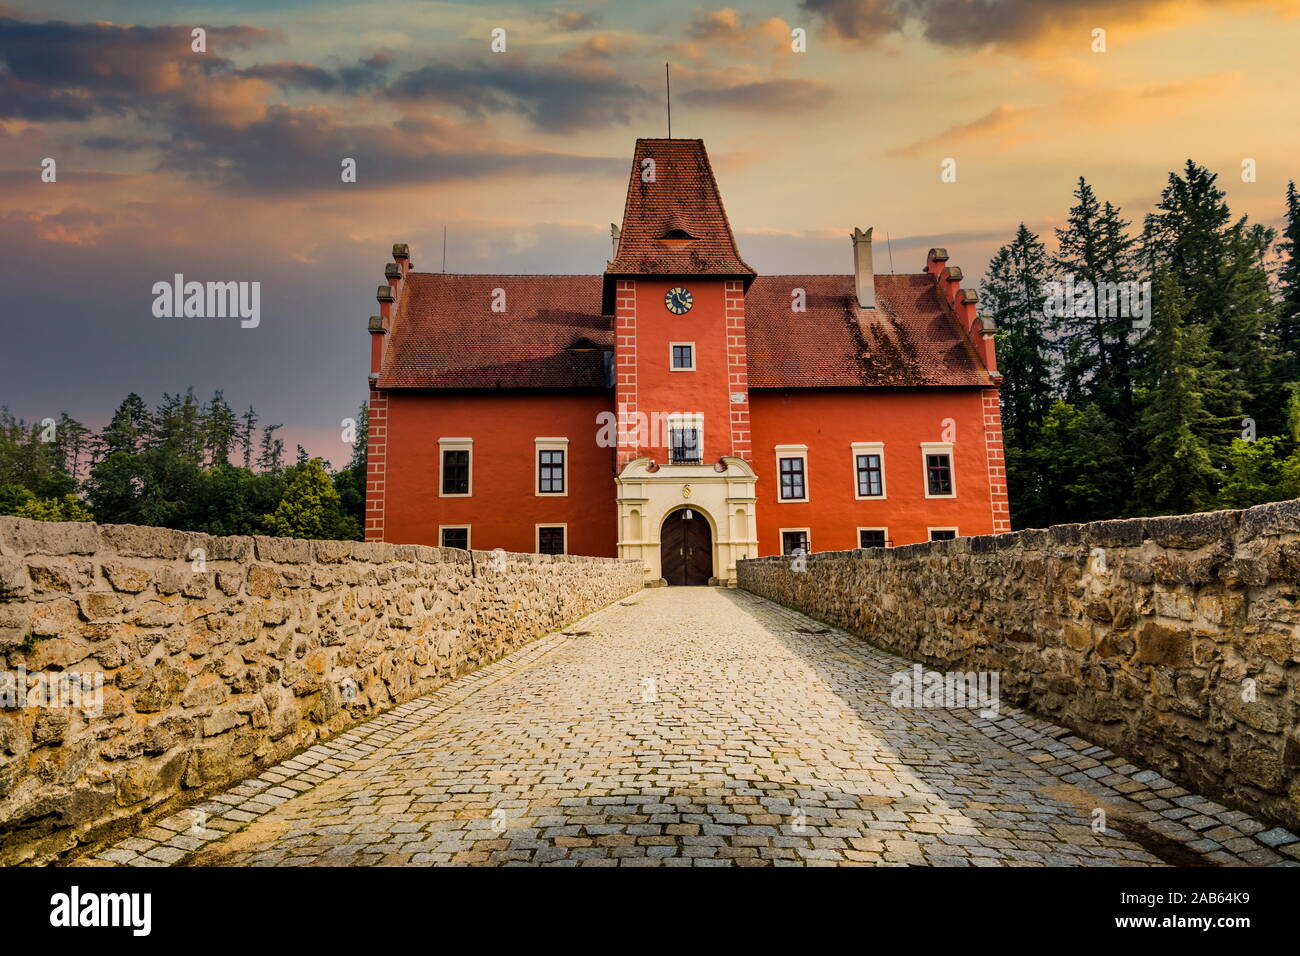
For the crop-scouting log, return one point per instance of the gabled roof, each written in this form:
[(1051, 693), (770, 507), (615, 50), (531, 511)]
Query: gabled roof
[(553, 335), (913, 338), (682, 196), (447, 335)]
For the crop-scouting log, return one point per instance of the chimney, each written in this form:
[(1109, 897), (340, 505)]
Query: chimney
[(614, 234), (402, 256), (865, 277)]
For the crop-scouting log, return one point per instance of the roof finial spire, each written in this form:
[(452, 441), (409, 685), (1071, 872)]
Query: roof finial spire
[(668, 91)]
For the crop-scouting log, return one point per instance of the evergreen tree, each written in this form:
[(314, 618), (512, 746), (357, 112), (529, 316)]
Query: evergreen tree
[(350, 482), (1014, 293), (270, 456), (1219, 267), (311, 508), (1077, 466), (1096, 251), (247, 427), (221, 430), (128, 430), (1178, 475), (1287, 328), (72, 444)]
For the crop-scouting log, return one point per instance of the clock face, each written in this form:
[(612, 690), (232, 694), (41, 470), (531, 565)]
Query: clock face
[(678, 300)]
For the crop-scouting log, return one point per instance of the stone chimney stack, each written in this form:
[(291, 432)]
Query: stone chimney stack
[(614, 233), (864, 274)]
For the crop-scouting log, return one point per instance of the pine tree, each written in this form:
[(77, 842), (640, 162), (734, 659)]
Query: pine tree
[(1096, 251), (1219, 267), (221, 430), (1287, 328), (1178, 475), (1014, 292), (247, 428), (128, 430), (270, 455)]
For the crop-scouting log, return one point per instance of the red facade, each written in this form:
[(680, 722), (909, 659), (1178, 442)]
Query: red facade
[(589, 413)]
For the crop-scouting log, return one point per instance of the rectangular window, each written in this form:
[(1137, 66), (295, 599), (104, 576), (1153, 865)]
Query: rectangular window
[(685, 449), (455, 538), (683, 357), (550, 471), (938, 474), (792, 479), (550, 539), (871, 538), (942, 534), (794, 542), (455, 471), (870, 477)]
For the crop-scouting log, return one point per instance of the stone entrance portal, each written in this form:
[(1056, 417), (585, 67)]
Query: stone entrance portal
[(686, 548), (721, 499)]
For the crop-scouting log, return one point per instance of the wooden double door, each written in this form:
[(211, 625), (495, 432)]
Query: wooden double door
[(686, 548)]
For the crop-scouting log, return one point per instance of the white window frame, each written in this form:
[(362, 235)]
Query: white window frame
[(683, 420), (885, 531), (549, 444), (537, 534), (868, 448), (781, 533), (672, 367), (793, 451), (469, 534), (929, 531), (938, 448), (455, 444)]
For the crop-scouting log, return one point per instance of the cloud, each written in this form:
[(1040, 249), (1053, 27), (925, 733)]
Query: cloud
[(729, 32), (121, 144), (81, 69), (301, 149), (572, 21), (601, 48), (553, 97), (364, 75), (778, 96), (1000, 119), (223, 125), (1027, 26)]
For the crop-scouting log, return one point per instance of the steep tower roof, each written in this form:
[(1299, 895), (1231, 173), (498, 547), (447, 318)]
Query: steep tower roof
[(673, 221)]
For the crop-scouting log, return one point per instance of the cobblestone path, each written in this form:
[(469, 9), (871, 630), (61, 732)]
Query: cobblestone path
[(699, 726)]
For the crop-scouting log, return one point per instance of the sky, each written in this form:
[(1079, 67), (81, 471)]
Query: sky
[(225, 164)]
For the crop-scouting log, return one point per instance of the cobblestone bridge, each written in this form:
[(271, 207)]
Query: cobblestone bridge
[(698, 726)]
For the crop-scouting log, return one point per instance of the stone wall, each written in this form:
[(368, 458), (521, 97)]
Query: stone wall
[(221, 655), (1149, 636)]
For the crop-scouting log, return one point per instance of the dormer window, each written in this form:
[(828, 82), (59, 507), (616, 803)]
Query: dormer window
[(675, 234)]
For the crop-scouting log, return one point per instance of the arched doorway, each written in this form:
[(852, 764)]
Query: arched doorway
[(686, 548)]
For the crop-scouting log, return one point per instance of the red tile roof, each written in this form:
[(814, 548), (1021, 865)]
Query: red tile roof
[(683, 196), (913, 338), (447, 335)]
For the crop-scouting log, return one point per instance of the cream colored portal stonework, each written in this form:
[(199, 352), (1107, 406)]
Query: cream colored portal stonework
[(725, 498)]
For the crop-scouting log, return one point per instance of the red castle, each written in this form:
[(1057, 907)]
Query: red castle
[(680, 409)]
